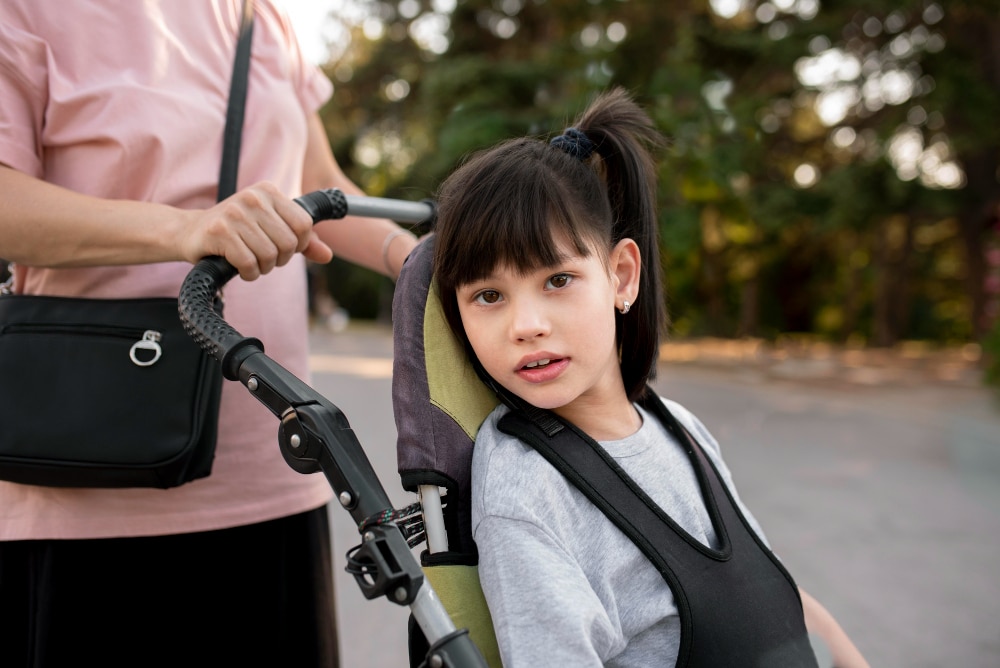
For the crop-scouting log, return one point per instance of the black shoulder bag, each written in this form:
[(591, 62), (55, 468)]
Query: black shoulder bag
[(113, 392)]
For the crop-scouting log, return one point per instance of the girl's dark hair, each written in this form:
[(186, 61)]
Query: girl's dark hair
[(505, 207)]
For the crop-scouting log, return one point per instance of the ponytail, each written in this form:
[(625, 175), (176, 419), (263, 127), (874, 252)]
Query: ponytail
[(620, 133)]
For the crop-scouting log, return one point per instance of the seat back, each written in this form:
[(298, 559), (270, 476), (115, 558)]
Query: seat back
[(439, 404)]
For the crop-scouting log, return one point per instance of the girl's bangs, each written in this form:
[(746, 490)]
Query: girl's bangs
[(521, 232)]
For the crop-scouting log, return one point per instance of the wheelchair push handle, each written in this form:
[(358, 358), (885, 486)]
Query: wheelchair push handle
[(203, 282), (331, 204)]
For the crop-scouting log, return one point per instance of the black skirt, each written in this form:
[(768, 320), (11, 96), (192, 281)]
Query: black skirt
[(257, 595)]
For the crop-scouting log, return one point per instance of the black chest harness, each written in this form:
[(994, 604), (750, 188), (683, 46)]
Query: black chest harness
[(738, 605)]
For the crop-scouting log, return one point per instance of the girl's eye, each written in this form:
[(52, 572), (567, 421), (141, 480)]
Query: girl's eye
[(559, 281), (487, 297)]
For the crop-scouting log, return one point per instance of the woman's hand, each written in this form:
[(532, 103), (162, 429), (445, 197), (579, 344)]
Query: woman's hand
[(256, 230)]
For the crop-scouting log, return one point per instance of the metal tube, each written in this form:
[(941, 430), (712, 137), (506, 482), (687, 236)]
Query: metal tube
[(400, 211), (429, 612), (430, 502)]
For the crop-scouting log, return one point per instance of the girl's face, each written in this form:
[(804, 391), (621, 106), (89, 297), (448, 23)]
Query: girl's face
[(548, 336)]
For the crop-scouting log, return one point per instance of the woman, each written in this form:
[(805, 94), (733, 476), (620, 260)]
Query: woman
[(110, 144)]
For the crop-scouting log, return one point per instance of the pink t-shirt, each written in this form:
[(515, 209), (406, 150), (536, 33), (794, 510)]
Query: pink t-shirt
[(127, 100)]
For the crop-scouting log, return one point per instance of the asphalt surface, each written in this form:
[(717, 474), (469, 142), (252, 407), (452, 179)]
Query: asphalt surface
[(877, 481)]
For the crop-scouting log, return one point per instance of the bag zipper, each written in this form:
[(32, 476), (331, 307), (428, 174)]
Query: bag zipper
[(143, 339)]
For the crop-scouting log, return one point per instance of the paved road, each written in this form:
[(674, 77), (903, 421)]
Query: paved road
[(883, 499)]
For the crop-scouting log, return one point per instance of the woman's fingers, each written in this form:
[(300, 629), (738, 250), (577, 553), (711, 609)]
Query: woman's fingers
[(317, 250), (258, 229)]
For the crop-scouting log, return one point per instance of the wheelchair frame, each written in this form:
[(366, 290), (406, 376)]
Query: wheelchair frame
[(314, 435)]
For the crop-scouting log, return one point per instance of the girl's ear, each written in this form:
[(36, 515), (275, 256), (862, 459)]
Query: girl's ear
[(626, 266)]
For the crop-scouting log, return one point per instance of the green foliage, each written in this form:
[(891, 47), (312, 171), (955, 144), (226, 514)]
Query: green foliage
[(773, 220)]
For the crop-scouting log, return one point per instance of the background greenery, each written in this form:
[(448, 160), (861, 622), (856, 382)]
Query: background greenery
[(833, 165)]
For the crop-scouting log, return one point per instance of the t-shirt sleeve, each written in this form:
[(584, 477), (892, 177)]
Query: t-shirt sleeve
[(527, 573), (540, 600), (23, 91), (312, 86)]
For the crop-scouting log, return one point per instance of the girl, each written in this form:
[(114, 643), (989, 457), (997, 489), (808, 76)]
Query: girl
[(547, 264)]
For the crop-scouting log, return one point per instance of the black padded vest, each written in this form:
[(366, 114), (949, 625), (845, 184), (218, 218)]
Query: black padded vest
[(738, 605)]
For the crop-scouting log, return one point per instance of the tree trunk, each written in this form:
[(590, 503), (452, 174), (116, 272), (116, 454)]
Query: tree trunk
[(853, 292), (974, 223), (979, 35), (749, 324), (891, 305)]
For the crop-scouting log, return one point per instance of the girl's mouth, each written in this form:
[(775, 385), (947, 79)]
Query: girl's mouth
[(543, 370)]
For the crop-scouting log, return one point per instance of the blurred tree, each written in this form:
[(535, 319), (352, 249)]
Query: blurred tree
[(832, 167)]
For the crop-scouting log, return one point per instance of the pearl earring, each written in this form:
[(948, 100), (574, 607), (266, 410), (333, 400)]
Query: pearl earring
[(625, 307)]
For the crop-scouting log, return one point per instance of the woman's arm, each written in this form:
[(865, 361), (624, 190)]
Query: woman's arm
[(375, 243), (257, 229), (44, 225), (821, 623)]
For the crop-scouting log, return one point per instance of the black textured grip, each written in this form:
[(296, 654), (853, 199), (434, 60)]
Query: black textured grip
[(195, 302), (201, 322), (324, 204)]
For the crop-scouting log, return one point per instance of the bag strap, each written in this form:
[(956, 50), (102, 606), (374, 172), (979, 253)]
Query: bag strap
[(233, 133)]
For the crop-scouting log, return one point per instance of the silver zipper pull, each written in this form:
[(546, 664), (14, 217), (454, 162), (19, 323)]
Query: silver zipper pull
[(7, 287), (150, 341)]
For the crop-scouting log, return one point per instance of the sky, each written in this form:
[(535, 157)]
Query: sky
[(308, 18)]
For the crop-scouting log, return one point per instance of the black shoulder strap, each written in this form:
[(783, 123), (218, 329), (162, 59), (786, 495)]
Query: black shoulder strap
[(237, 101), (704, 586), (599, 477)]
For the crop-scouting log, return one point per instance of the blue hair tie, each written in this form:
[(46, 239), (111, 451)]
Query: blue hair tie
[(575, 143)]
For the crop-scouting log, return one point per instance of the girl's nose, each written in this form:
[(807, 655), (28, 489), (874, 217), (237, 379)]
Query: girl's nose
[(528, 321)]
